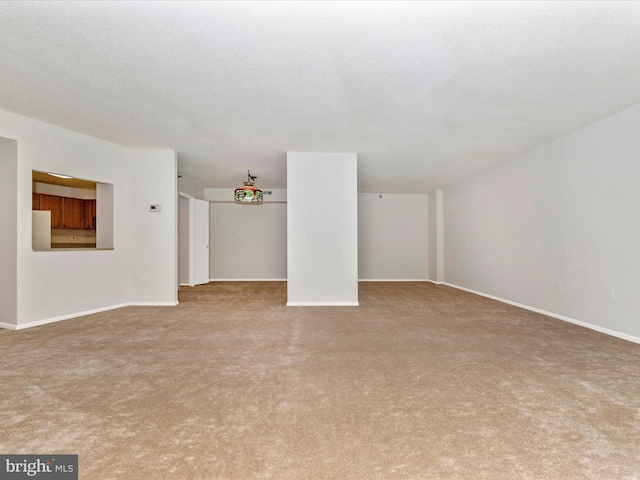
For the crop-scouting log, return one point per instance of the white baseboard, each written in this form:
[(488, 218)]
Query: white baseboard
[(8, 326), (590, 326), (37, 323), (45, 321), (393, 280), (152, 304), (323, 304), (247, 279), (284, 280)]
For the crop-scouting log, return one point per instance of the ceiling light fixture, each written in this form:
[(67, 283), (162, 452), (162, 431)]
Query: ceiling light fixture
[(248, 194)]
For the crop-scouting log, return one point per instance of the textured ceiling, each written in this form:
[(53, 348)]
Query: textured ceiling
[(426, 93)]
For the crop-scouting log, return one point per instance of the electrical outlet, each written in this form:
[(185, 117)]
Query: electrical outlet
[(610, 294), (558, 285)]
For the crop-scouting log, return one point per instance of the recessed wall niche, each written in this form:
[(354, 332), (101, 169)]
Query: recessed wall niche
[(70, 212)]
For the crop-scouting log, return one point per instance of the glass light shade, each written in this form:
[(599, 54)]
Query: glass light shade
[(248, 194)]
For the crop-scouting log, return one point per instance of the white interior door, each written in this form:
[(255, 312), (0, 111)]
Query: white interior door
[(201, 241)]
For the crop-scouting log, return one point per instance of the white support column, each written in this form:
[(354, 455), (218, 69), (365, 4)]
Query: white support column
[(439, 236), (322, 229)]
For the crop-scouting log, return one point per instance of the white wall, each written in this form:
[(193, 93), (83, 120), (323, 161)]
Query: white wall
[(104, 215), (248, 242), (8, 236), (568, 212), (322, 229), (154, 235), (393, 236), (59, 284), (383, 253)]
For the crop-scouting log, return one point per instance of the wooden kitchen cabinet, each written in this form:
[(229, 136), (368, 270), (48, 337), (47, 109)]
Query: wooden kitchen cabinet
[(54, 204), (89, 217), (71, 213)]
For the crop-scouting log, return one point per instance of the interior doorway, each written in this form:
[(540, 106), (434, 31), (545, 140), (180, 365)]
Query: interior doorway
[(193, 241)]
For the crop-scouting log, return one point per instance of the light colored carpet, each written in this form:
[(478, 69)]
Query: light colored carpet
[(420, 381)]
